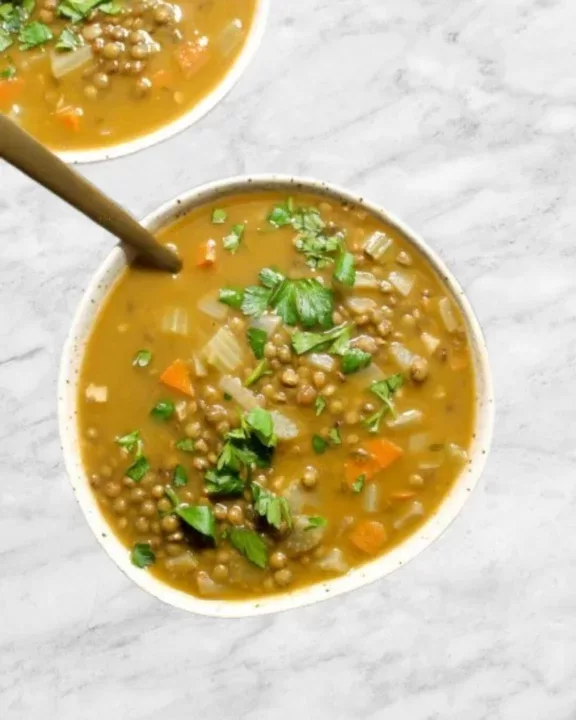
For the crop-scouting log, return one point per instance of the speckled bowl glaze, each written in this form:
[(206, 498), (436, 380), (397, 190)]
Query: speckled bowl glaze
[(106, 275), (194, 114)]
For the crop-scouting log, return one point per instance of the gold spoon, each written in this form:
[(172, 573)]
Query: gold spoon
[(23, 152)]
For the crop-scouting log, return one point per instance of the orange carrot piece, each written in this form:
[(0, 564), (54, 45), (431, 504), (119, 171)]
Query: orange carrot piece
[(177, 377), (70, 118), (357, 466), (370, 536), (191, 56), (162, 78), (10, 91), (383, 451), (207, 254)]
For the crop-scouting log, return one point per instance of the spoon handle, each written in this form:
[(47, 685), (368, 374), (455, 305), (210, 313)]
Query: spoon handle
[(23, 152)]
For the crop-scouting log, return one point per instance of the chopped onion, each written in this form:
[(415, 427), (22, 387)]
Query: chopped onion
[(175, 321), (200, 369), (365, 280), (268, 323), (371, 498), (207, 586), (457, 453), (223, 351), (401, 355), (447, 315), (181, 564), (333, 561), (62, 63), (405, 419), (419, 443), (376, 245), (431, 342), (321, 361), (96, 393), (285, 428), (402, 281), (181, 408), (210, 305), (303, 538), (359, 381), (230, 37), (244, 397), (298, 498), (415, 509), (360, 305)]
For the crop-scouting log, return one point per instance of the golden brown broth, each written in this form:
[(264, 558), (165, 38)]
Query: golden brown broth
[(41, 103), (131, 319)]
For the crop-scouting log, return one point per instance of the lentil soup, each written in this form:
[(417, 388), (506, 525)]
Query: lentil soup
[(82, 74), (296, 402)]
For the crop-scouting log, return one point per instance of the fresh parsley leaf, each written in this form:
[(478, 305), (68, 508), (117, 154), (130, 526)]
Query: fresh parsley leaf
[(280, 216), (223, 483), (142, 555), (250, 544), (316, 522), (34, 34), (372, 422), (163, 410), (185, 444), (317, 248), (180, 477), (232, 297), (132, 442), (355, 359), (199, 517), (255, 300), (271, 506), (344, 270), (138, 469), (341, 344), (358, 484), (257, 339), (111, 7), (260, 421), (232, 241), (270, 278), (334, 436), (5, 42), (69, 40), (227, 396), (75, 10), (306, 301), (384, 389), (303, 342), (319, 444), (259, 371), (219, 216), (142, 358), (308, 220), (319, 404)]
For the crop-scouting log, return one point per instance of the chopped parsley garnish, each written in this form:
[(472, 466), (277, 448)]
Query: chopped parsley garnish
[(271, 506), (163, 410), (34, 34), (76, 10), (259, 371), (358, 484), (355, 359), (69, 40), (132, 442), (319, 405), (251, 444), (223, 483), (303, 342), (5, 42), (9, 72), (219, 216), (281, 215), (231, 296), (232, 241), (334, 436), (250, 544), (142, 555), (227, 397), (138, 469), (316, 522), (319, 444), (142, 358), (384, 389), (180, 477), (198, 517), (257, 340), (185, 444)]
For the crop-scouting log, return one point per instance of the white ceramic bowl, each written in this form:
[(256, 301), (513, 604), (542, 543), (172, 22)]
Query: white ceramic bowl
[(374, 570), (194, 114)]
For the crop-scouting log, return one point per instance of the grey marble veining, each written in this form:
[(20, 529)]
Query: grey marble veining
[(459, 117)]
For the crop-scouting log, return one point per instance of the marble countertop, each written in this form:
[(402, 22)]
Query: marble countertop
[(460, 118)]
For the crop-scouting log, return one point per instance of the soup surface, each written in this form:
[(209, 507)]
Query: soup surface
[(92, 73), (297, 401)]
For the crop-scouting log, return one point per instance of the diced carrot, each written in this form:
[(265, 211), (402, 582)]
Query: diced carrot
[(10, 91), (370, 536), (207, 254), (177, 377), (162, 78), (191, 56), (383, 451), (403, 495), (70, 118)]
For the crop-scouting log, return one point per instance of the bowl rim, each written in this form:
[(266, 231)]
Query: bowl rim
[(376, 569), (192, 116)]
